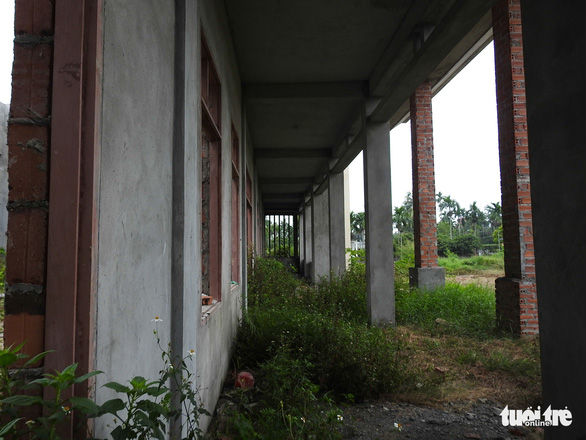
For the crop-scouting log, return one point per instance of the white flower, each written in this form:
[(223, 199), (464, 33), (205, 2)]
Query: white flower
[(157, 319), (398, 426), (191, 353), (340, 418), (303, 419)]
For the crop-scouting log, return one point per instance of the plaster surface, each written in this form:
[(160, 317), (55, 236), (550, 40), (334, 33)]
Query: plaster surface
[(321, 236), (380, 276), (339, 211), (427, 278), (135, 204)]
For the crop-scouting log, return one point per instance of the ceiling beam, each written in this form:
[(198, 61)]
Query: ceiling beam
[(292, 153), (307, 181), (306, 91), (454, 26)]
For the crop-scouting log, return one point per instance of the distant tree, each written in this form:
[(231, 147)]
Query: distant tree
[(494, 214), (357, 225), (450, 210), (475, 217)]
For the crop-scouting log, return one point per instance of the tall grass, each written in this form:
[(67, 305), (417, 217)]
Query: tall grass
[(458, 266), (467, 310)]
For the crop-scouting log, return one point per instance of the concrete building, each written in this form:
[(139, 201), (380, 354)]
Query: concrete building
[(148, 141)]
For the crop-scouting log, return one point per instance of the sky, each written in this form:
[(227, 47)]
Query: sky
[(464, 124), (465, 142), (6, 52)]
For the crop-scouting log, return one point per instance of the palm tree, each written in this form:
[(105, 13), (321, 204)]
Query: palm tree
[(449, 209), (357, 225), (475, 216)]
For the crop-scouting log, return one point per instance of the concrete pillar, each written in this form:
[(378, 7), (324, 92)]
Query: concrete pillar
[(426, 274), (321, 235), (302, 242), (555, 63), (516, 296), (380, 274), (308, 241), (339, 203)]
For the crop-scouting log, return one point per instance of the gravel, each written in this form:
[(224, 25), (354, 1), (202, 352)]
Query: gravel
[(383, 420)]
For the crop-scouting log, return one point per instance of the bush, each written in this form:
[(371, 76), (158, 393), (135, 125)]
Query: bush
[(462, 245)]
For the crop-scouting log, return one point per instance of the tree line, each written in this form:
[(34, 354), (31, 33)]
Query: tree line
[(462, 231)]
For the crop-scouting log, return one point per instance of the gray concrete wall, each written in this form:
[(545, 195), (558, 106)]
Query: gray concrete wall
[(135, 192), (150, 194), (218, 330), (555, 61), (4, 112)]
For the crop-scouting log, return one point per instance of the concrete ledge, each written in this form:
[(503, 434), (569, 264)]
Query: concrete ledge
[(427, 278)]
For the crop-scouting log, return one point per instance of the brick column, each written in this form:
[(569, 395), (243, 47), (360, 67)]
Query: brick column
[(28, 151), (426, 274), (516, 296)]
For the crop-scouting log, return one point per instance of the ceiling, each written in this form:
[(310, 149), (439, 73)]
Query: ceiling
[(314, 71)]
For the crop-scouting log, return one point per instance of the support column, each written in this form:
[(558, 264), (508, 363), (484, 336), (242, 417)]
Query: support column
[(516, 295), (339, 195), (308, 220), (380, 273), (554, 60), (426, 274), (302, 242), (321, 235)]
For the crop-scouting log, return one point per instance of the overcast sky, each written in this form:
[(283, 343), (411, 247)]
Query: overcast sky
[(465, 132), (465, 142)]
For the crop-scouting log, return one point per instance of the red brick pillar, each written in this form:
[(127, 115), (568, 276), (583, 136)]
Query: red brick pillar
[(516, 297), (426, 273), (28, 152)]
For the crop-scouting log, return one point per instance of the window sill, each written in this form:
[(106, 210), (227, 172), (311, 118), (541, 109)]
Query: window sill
[(208, 311)]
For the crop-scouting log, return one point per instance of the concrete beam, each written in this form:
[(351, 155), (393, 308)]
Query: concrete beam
[(306, 91), (292, 153), (399, 80), (380, 277)]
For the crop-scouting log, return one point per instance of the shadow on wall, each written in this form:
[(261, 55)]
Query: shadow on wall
[(4, 110)]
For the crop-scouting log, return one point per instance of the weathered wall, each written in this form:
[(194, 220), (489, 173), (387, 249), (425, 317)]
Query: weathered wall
[(134, 262), (3, 173), (218, 329)]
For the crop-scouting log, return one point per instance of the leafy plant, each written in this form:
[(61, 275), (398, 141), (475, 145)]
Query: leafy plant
[(19, 394)]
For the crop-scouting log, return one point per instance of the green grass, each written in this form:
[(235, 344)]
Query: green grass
[(468, 310), (455, 265)]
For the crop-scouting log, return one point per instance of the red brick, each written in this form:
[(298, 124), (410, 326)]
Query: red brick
[(28, 162), (25, 328), (26, 246), (34, 17), (31, 81)]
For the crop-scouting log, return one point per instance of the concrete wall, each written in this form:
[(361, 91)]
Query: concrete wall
[(135, 205), (4, 110), (150, 193), (218, 329)]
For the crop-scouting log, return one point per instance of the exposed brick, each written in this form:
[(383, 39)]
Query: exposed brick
[(424, 207), (28, 162), (31, 81), (517, 290), (34, 17), (27, 328), (26, 245)]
